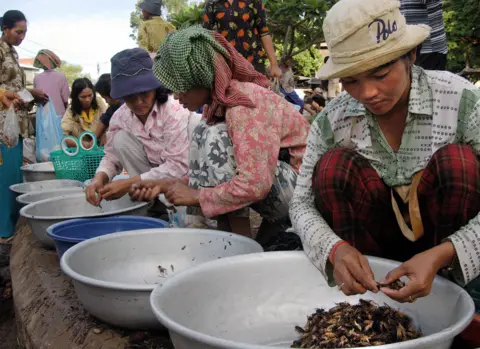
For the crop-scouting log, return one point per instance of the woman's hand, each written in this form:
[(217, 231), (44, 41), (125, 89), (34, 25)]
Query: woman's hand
[(182, 195), (116, 189), (10, 98), (39, 96), (275, 72), (352, 271), (421, 270), (92, 192), (149, 190)]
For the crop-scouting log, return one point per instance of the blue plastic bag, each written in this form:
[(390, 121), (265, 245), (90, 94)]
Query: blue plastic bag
[(49, 131)]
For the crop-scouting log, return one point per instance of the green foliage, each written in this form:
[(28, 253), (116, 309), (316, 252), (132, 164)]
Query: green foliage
[(73, 72), (305, 63), (297, 25), (170, 6), (308, 62), (188, 16), (462, 25), (135, 20)]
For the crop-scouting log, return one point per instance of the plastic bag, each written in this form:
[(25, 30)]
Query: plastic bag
[(176, 215), (29, 151), (49, 131), (11, 127), (25, 95), (275, 87)]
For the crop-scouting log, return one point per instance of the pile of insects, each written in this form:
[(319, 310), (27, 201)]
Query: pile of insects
[(352, 326)]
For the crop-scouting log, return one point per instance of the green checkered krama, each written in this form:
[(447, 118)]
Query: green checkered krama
[(186, 59)]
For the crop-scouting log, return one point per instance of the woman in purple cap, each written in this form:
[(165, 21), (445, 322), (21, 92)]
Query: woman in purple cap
[(148, 135)]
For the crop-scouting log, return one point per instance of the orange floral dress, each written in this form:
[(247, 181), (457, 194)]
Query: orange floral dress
[(242, 22)]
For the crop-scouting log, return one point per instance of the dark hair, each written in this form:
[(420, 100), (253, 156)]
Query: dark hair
[(319, 100), (104, 85), (78, 86), (11, 18), (162, 95)]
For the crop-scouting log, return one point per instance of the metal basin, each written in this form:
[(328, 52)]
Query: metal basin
[(38, 172), (254, 302), (115, 274), (42, 214), (24, 188), (34, 196)]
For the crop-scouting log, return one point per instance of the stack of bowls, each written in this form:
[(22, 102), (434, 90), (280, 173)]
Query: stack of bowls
[(42, 214)]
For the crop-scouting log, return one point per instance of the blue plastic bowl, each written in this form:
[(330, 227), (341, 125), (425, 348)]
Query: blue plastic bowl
[(69, 233)]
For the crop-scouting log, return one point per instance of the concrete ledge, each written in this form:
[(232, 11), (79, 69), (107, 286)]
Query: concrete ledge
[(48, 313)]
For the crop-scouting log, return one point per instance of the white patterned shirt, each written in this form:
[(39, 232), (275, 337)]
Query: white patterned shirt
[(443, 109)]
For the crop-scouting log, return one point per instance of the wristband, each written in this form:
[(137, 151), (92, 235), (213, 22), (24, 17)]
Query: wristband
[(334, 249)]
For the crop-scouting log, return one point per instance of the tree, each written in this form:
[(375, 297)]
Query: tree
[(188, 16), (72, 72), (297, 25), (462, 25), (308, 62), (171, 7)]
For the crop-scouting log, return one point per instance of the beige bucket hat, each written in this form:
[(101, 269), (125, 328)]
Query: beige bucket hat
[(365, 34)]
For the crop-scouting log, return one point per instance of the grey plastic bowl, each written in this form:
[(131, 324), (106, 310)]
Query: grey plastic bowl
[(255, 301), (34, 196), (24, 188), (115, 274), (38, 172), (42, 214)]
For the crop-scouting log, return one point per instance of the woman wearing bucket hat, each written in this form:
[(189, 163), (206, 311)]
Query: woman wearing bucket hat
[(391, 167), (235, 149), (147, 136), (153, 30)]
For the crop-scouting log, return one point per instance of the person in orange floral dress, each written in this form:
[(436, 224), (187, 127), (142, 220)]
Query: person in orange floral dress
[(248, 148), (243, 23)]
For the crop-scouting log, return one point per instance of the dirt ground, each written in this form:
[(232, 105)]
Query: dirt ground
[(8, 329)]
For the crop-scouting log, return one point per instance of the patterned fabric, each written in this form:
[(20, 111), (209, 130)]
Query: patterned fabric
[(212, 163), (55, 85), (186, 60), (443, 109), (153, 32), (47, 60), (242, 23), (164, 137), (356, 203), (189, 57), (74, 125), (257, 135), (428, 12), (12, 78)]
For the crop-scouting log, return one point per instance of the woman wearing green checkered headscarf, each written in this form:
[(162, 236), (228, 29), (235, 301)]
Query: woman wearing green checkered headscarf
[(234, 153)]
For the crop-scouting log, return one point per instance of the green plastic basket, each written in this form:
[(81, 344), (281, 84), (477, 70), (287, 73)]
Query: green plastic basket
[(77, 163)]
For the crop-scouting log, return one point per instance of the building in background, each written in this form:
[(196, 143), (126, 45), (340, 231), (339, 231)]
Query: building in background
[(29, 69)]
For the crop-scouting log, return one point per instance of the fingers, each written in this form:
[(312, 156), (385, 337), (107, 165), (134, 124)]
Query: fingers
[(92, 196), (347, 283), (394, 275), (412, 291), (367, 277)]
